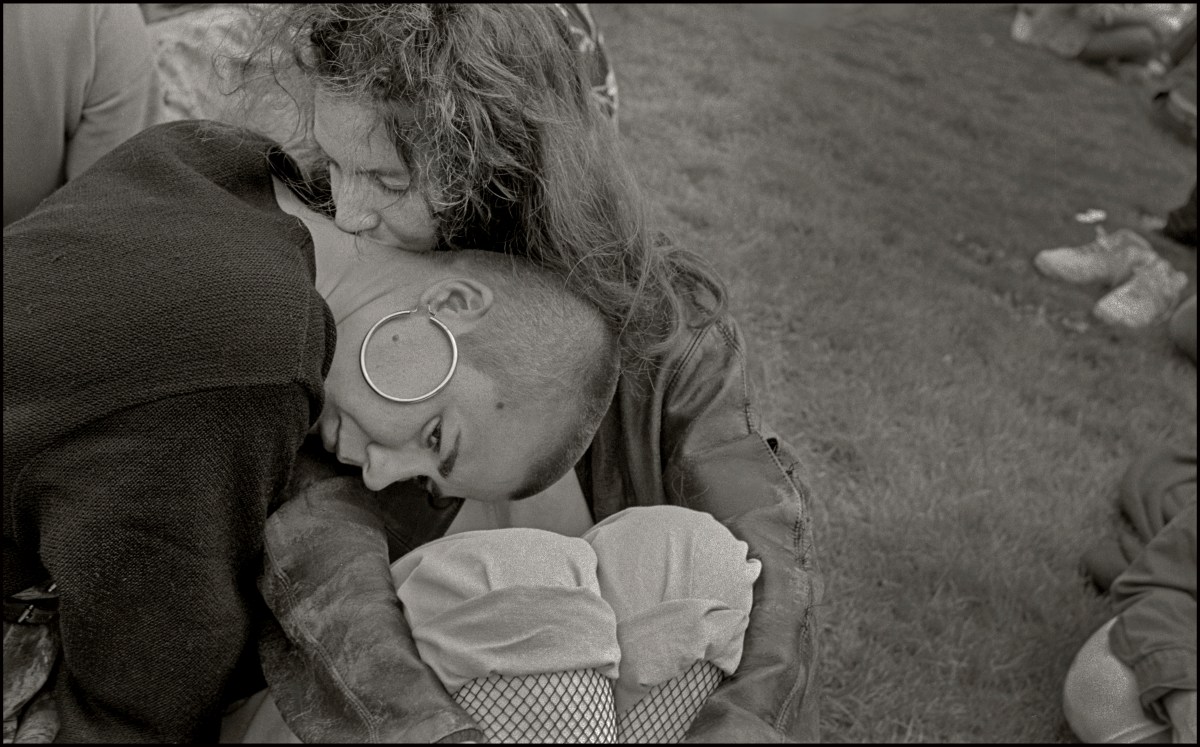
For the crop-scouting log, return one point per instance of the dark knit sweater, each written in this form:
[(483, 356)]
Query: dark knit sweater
[(164, 352)]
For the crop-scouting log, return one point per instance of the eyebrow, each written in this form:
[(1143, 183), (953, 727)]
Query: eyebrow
[(402, 171), (447, 465)]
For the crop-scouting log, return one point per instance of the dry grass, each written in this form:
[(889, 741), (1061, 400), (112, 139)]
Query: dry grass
[(874, 187)]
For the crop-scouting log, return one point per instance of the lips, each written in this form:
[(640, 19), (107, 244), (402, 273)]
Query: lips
[(331, 438)]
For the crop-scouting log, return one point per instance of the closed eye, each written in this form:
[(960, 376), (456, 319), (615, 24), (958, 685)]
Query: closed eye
[(397, 188), (392, 188)]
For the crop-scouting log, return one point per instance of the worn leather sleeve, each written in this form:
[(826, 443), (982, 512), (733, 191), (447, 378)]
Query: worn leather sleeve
[(721, 458), (689, 436), (339, 655)]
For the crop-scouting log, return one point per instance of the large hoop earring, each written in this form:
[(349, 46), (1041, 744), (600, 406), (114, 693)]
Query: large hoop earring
[(362, 359)]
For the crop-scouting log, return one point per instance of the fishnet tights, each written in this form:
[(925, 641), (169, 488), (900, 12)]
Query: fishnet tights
[(577, 707)]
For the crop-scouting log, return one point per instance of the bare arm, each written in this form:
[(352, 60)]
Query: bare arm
[(121, 99)]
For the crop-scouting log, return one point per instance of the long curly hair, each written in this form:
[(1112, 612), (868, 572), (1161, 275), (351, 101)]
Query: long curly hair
[(489, 106)]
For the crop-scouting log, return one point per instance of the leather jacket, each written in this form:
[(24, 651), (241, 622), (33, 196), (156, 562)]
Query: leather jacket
[(341, 662)]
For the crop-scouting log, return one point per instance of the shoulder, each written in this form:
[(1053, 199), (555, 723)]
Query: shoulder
[(195, 136), (163, 275), (218, 151), (31, 23), (713, 348), (73, 33)]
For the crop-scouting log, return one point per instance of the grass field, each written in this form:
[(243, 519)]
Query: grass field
[(874, 183)]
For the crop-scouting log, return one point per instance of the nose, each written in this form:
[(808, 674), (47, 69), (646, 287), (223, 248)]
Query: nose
[(354, 212), (387, 466)]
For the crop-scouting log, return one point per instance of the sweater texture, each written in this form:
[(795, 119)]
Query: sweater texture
[(164, 353)]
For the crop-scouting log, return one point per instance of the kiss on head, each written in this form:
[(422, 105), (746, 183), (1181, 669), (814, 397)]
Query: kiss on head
[(535, 373), (447, 274)]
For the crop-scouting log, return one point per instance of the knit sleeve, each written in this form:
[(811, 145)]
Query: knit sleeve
[(150, 521)]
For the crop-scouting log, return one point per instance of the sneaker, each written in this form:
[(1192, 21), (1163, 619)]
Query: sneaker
[(1111, 258), (1148, 297)]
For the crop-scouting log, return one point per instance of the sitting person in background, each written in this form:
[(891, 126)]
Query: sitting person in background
[(1182, 327), (1135, 678), (1180, 224), (1145, 287), (1100, 33), (79, 79)]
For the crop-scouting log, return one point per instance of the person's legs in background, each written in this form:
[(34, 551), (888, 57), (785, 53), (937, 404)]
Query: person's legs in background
[(1147, 562), (1182, 327), (1181, 43), (1100, 697), (1181, 227), (1129, 44), (1181, 222), (1145, 286)]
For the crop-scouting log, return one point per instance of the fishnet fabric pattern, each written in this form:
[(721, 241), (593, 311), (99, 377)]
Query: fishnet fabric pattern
[(665, 714), (575, 706)]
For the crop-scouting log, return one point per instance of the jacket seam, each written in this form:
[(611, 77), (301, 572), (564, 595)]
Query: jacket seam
[(687, 355), (747, 409), (1164, 656), (799, 685)]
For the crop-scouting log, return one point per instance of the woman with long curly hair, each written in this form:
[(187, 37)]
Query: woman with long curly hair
[(490, 136), (440, 127)]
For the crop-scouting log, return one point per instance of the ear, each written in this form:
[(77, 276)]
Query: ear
[(459, 302)]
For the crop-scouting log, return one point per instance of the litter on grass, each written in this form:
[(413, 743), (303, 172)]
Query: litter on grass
[(1091, 215)]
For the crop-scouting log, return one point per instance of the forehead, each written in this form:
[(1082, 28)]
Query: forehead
[(351, 131)]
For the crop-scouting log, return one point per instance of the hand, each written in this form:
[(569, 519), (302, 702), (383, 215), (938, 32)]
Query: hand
[(1181, 708)]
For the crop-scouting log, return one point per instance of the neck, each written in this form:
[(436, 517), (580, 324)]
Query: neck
[(342, 258), (332, 251)]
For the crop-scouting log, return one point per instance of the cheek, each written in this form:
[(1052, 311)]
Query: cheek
[(411, 219), (344, 378)]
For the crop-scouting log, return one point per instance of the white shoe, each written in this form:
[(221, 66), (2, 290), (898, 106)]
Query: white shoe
[(1148, 297), (1111, 258)]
